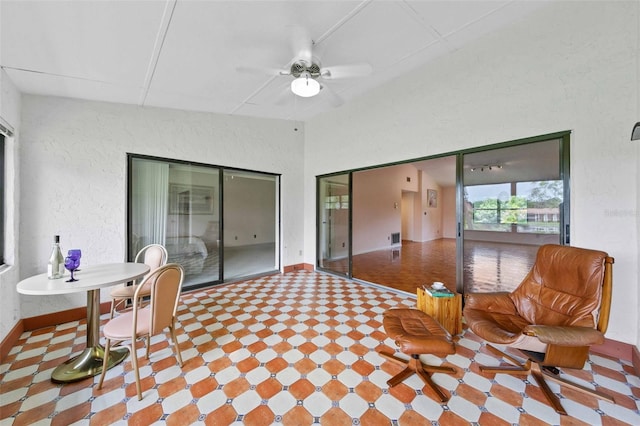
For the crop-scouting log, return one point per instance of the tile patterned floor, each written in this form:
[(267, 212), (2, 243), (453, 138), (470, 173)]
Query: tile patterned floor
[(293, 349)]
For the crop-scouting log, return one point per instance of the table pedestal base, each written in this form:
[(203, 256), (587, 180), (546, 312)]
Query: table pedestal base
[(87, 364)]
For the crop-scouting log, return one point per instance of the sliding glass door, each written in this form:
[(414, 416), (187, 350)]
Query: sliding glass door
[(472, 219), (251, 224), (513, 202), (333, 217), (219, 224)]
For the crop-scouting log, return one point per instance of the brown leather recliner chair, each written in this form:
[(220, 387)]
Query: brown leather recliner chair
[(559, 310)]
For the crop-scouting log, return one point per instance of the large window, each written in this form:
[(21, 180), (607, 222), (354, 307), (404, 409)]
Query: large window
[(525, 207)]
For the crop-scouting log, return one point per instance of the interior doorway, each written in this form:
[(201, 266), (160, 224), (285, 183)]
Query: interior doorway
[(407, 208)]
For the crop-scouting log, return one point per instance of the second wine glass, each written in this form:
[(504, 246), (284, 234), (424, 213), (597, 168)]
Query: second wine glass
[(72, 263)]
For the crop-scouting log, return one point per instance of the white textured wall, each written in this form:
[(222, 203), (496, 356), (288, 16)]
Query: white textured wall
[(74, 166), (569, 66), (10, 112)]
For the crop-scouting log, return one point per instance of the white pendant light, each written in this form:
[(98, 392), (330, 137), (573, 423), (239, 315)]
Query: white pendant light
[(305, 86)]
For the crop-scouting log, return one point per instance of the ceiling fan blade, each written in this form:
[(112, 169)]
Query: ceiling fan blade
[(346, 71), (332, 97), (301, 44), (263, 71), (283, 97)]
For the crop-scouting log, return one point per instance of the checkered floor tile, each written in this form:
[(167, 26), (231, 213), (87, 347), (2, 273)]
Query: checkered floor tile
[(293, 349)]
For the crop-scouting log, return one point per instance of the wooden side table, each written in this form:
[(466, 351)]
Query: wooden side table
[(446, 310)]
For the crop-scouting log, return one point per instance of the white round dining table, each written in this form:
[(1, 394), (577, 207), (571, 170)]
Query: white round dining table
[(90, 279)]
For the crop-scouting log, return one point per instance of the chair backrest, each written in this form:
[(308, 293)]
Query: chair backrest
[(566, 286), (166, 285), (152, 255)]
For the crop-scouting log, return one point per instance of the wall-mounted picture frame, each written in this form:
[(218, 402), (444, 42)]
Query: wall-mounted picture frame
[(191, 199), (432, 198)]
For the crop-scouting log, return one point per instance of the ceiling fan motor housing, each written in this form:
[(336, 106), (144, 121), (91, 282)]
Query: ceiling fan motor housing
[(300, 68)]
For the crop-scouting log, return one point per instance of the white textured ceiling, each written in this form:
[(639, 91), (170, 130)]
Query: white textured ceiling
[(186, 54)]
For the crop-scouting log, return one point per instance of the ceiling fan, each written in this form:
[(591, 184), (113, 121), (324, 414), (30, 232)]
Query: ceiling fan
[(309, 76)]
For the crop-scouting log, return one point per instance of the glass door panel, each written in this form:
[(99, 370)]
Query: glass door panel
[(177, 205), (404, 224), (512, 204), (251, 224), (334, 207)]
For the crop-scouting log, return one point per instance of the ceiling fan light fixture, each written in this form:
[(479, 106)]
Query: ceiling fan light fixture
[(305, 87)]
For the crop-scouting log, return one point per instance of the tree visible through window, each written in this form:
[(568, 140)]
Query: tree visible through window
[(492, 210), (531, 207)]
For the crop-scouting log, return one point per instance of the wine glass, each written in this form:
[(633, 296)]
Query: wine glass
[(72, 263), (77, 253)]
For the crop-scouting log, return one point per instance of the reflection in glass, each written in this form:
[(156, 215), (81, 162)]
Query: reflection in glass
[(177, 205)]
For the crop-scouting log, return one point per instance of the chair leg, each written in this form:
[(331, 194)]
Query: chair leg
[(577, 387), (172, 330), (401, 375), (113, 308), (426, 378), (134, 363), (438, 369), (539, 373), (105, 360), (415, 366), (117, 304), (525, 368), (518, 366), (398, 378), (548, 393), (392, 358)]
